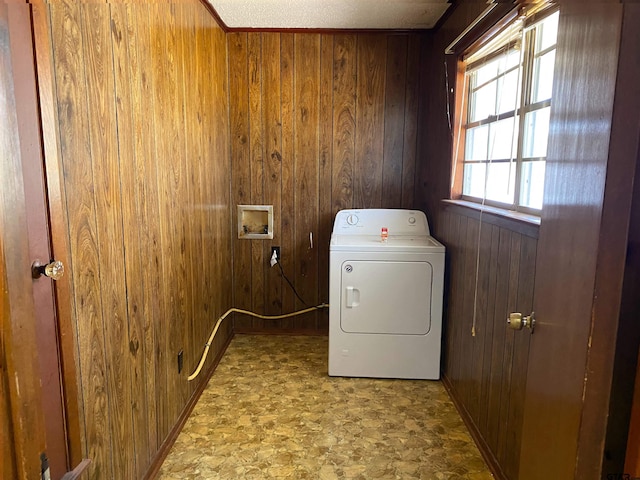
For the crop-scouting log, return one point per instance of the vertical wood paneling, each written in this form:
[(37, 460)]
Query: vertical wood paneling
[(499, 332), (220, 169), (306, 75), (106, 180), (372, 54), (340, 110), (458, 261), (479, 339), (186, 291), (215, 180), (241, 167), (589, 179), (394, 116), (217, 128), (147, 201), (410, 144), (272, 162), (287, 222), (492, 325), (344, 114), (193, 158), (176, 196), (256, 160), (325, 216), (487, 372), (470, 304), (125, 66), (450, 232), (73, 120), (142, 99), (205, 185), (468, 249), (437, 74), (506, 394), (162, 109), (524, 303), (196, 135)]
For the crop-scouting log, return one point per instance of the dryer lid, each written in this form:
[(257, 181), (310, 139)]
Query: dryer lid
[(395, 243)]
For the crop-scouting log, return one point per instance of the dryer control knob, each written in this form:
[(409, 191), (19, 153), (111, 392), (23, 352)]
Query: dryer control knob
[(412, 220), (352, 219)]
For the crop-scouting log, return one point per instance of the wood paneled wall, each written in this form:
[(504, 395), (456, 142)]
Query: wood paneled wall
[(142, 105), (486, 372), (319, 123), (438, 81), (588, 191), (491, 270)]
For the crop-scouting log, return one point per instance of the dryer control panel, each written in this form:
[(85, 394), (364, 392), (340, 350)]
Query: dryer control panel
[(371, 221)]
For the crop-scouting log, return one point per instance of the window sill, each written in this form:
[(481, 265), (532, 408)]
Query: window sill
[(515, 221)]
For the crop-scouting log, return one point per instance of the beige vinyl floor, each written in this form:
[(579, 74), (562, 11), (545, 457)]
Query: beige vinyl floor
[(271, 411)]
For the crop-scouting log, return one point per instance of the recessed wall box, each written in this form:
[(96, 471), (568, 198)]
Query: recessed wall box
[(255, 222)]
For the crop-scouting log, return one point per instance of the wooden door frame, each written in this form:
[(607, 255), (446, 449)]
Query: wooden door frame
[(43, 49), (25, 93), (15, 235), (632, 456), (624, 409), (607, 394)]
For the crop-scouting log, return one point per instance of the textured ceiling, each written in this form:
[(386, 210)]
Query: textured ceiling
[(330, 14)]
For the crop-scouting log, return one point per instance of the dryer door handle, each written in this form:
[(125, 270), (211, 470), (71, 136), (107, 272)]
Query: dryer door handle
[(353, 297)]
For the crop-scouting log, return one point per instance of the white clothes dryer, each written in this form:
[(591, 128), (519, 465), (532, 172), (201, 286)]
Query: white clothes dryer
[(385, 295)]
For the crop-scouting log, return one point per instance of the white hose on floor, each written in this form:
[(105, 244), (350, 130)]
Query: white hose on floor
[(246, 312)]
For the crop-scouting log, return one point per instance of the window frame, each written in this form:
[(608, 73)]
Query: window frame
[(532, 15)]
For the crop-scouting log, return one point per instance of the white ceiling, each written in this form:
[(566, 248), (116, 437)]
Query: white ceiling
[(330, 14)]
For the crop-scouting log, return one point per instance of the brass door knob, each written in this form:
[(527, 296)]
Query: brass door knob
[(54, 270), (516, 321)]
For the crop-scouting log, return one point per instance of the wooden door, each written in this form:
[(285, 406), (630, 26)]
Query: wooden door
[(23, 437), (38, 235), (576, 253)]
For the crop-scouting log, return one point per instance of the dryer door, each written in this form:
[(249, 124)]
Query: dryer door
[(386, 297)]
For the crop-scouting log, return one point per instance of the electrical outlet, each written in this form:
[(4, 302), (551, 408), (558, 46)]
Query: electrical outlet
[(180, 361), (277, 250)]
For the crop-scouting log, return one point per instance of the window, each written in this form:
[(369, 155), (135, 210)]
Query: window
[(503, 137)]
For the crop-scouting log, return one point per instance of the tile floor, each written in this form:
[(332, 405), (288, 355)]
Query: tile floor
[(271, 411)]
